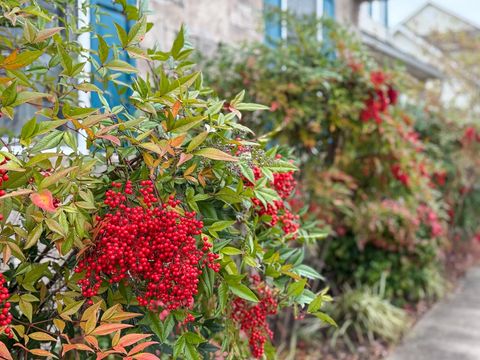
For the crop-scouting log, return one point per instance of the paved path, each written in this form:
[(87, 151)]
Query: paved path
[(450, 330)]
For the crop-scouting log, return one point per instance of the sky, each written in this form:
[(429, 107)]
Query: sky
[(400, 9)]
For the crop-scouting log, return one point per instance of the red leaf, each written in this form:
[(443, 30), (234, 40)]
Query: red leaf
[(69, 347), (141, 347), (44, 200), (109, 328), (111, 138)]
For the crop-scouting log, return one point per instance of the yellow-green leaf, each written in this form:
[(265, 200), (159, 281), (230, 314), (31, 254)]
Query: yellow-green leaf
[(41, 336), (215, 154)]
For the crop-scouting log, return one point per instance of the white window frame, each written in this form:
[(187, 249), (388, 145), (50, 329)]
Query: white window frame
[(83, 97), (318, 12)]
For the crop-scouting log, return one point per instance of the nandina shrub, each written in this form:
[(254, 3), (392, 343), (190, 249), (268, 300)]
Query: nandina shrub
[(362, 162), (133, 231)]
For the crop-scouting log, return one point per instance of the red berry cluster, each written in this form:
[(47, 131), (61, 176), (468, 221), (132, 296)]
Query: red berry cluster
[(440, 177), (378, 102), (399, 174), (252, 318), (429, 218), (284, 184), (151, 247), (3, 176), (470, 134), (5, 316)]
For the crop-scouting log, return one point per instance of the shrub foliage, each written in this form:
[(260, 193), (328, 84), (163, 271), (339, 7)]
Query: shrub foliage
[(156, 228)]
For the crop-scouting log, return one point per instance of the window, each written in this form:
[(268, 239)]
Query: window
[(275, 30), (377, 11), (25, 112), (103, 15)]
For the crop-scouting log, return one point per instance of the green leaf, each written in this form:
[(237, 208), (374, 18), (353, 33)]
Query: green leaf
[(179, 347), (26, 308), (251, 107), (41, 157), (238, 99), (265, 195), (55, 227), (191, 352), (307, 271), (296, 288), (215, 108), (196, 141), (137, 32), (49, 141), (33, 236), (37, 272), (72, 308), (87, 87), (316, 304), (122, 35), (247, 172), (229, 250), (29, 298), (29, 129), (228, 196), (221, 225), (120, 65), (325, 318), (281, 166), (178, 43), (243, 292), (222, 296), (56, 177), (103, 49)]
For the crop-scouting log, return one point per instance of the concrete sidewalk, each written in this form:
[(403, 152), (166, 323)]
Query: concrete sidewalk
[(450, 330)]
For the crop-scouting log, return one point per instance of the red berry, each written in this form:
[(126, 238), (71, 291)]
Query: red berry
[(153, 247)]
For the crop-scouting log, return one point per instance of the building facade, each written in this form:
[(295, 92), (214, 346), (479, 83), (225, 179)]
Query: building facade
[(450, 43), (210, 22)]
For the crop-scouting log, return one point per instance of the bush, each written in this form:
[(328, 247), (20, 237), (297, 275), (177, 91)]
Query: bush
[(169, 232), (362, 162)]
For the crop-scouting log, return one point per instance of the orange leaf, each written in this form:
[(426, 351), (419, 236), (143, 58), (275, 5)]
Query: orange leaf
[(103, 355), (10, 58), (130, 339), (44, 200), (139, 347), (81, 347), (109, 328), (177, 141), (4, 353), (92, 341), (7, 253), (145, 356), (176, 108), (40, 352)]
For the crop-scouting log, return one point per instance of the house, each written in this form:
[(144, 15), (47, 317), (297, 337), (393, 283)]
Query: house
[(450, 43), (210, 22)]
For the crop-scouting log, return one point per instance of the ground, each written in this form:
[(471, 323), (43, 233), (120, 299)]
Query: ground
[(450, 330)]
